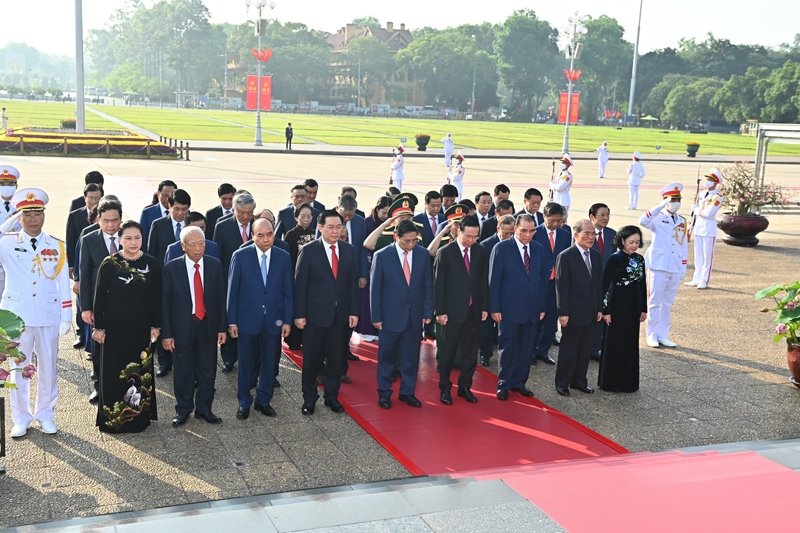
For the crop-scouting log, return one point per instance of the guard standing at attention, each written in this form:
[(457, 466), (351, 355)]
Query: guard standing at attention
[(635, 174), (456, 175), (602, 159), (704, 229), (562, 184), (397, 167)]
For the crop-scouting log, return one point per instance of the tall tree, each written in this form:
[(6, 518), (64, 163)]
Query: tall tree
[(692, 102), (742, 97), (363, 22), (654, 105), (651, 69), (782, 95), (376, 64)]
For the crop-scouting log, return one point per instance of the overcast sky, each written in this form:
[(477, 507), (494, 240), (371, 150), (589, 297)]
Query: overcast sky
[(48, 25)]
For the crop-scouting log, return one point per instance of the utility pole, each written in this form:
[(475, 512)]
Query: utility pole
[(474, 72), (80, 110), (635, 58), (358, 104)]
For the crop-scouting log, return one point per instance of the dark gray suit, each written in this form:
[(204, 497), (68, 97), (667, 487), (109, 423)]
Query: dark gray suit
[(607, 252), (162, 234)]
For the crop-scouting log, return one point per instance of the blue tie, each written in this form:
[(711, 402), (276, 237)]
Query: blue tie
[(177, 231), (264, 269)]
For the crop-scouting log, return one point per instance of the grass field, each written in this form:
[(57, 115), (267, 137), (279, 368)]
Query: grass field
[(363, 131)]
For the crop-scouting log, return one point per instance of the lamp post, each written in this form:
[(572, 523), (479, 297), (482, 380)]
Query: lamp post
[(80, 108), (474, 73), (259, 32), (633, 71), (575, 29)]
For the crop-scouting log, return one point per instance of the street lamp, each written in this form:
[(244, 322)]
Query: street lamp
[(474, 73), (259, 32), (572, 32)]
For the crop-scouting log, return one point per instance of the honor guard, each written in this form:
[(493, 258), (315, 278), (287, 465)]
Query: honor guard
[(38, 292), (8, 186), (397, 167), (635, 174), (563, 183), (456, 175), (666, 260), (704, 229), (602, 159), (448, 149)]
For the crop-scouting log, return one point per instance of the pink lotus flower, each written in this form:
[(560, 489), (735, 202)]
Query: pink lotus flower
[(781, 329), (3, 357), (29, 371), (3, 374), (790, 306), (741, 200)]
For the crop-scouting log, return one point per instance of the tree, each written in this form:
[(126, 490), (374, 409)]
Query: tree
[(782, 94), (742, 97), (363, 22), (376, 63), (692, 102), (654, 105), (722, 59), (651, 69)]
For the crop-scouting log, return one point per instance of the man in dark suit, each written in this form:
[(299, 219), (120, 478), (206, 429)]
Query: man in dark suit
[(193, 324), (461, 288), (600, 214), (289, 136), (533, 200), (356, 234), (312, 188), (260, 310), (489, 228), (347, 189), (579, 297), (94, 248), (286, 220), (92, 177), (431, 220), (229, 235), (554, 240), (518, 277), (449, 193), (483, 205), (77, 221), (225, 192), (193, 219), (501, 192), (267, 214), (325, 306), (401, 297), (488, 336), (154, 212), (167, 230)]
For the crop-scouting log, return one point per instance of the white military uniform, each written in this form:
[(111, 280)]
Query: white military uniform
[(602, 159), (456, 176), (397, 170), (704, 233), (635, 174), (666, 260), (448, 149), (6, 210), (561, 188), (3, 121)]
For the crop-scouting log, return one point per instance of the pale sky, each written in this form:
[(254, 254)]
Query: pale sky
[(48, 25)]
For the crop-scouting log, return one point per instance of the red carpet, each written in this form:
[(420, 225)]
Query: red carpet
[(439, 439), (664, 492)]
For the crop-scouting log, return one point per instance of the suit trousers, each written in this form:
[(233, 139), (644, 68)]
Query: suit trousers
[(257, 355), (195, 361), (546, 332), (488, 338), (320, 344), (408, 342), (164, 357), (44, 341), (597, 340), (515, 346), (573, 355), (467, 333), (80, 326)]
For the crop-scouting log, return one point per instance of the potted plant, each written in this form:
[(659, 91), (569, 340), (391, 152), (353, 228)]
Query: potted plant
[(744, 197), (692, 147), (787, 309), (422, 141), (68, 124), (11, 327)]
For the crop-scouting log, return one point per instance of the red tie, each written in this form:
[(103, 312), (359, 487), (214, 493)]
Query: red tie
[(334, 262), (433, 226), (552, 249), (199, 303), (600, 241), (244, 233)]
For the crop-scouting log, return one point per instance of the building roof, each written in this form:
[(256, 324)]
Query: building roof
[(396, 39)]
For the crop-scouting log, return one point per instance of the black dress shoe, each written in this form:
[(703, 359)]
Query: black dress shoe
[(87, 356), (549, 360), (484, 361), (242, 414), (467, 395), (385, 402), (351, 357), (162, 372), (533, 360), (94, 396), (587, 390), (93, 376), (562, 392), (595, 357), (556, 342), (410, 399), (78, 344), (308, 408), (209, 417), (524, 391), (446, 398), (295, 347), (346, 379), (335, 405), (179, 420), (265, 410), (227, 367), (502, 395)]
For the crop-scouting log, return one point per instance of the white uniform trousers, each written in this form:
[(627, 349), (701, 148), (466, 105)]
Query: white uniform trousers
[(398, 183), (2, 279), (448, 154), (662, 287), (460, 186), (43, 341), (601, 172), (703, 258), (633, 196)]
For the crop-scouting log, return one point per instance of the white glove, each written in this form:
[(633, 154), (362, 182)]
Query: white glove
[(64, 328), (8, 225)]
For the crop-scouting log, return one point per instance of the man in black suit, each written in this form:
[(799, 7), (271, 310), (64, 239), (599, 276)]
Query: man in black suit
[(533, 200), (449, 193), (286, 220), (94, 248), (312, 188), (483, 204), (488, 338), (77, 221), (489, 228), (431, 220), (193, 324), (325, 306), (579, 298), (267, 215), (461, 290), (167, 230), (501, 192), (226, 191), (289, 136), (600, 214), (347, 189), (229, 235), (92, 177)]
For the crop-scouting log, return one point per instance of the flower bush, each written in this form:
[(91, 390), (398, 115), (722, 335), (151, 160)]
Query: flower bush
[(423, 136), (692, 143), (744, 194), (68, 124), (11, 327), (787, 310)]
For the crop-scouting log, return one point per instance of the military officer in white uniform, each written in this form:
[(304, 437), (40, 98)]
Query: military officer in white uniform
[(448, 149), (635, 174), (666, 260), (397, 167), (602, 159), (704, 229), (563, 183), (456, 176), (8, 186), (38, 292)]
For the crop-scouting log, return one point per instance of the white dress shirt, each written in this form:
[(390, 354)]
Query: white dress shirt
[(259, 254), (400, 253), (173, 222), (520, 245), (190, 271)]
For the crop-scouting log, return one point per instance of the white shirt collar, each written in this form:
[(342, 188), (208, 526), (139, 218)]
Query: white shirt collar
[(259, 253), (190, 264)]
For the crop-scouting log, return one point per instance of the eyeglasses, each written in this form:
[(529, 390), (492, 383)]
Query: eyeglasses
[(587, 233)]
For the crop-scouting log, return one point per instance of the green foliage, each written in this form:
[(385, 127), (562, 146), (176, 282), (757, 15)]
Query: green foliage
[(782, 94), (376, 62), (10, 324), (652, 67), (654, 105), (363, 22), (786, 309), (742, 97), (692, 102)]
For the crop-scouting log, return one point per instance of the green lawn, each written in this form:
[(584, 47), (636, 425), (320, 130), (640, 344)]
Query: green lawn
[(192, 124)]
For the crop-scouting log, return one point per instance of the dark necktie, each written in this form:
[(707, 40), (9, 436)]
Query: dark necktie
[(113, 247), (526, 259), (8, 207), (586, 260), (466, 264), (33, 244)]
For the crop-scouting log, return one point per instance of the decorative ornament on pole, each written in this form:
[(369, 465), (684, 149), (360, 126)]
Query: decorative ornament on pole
[(262, 55), (572, 75)]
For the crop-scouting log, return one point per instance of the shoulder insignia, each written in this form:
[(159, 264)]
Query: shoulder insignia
[(716, 202)]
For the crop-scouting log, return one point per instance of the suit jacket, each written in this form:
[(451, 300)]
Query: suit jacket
[(424, 220), (608, 244), (317, 294), (519, 296), (76, 274), (286, 220), (537, 216), (318, 206), (360, 213), (228, 236), (562, 242), (150, 215), (77, 221), (92, 252), (77, 203), (453, 285), (250, 303), (283, 245), (395, 302), (212, 216), (488, 229), (176, 304), (162, 234), (175, 250), (490, 243), (578, 294), (357, 237)]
